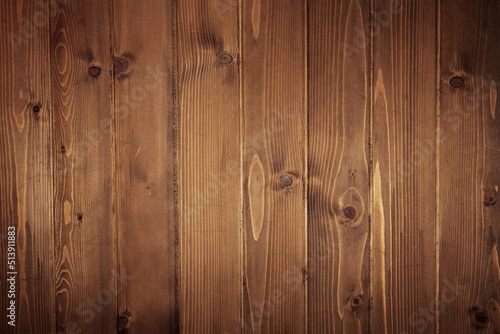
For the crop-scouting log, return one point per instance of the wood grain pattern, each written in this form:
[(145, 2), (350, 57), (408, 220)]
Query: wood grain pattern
[(251, 166), (82, 147), (403, 274), (209, 168), (469, 168), (25, 165), (338, 295), (273, 92), (144, 118)]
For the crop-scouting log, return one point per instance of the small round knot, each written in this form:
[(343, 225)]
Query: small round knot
[(349, 212), (80, 217), (225, 58), (94, 71), (286, 181), (489, 198), (457, 82), (36, 109), (480, 317), (355, 302)]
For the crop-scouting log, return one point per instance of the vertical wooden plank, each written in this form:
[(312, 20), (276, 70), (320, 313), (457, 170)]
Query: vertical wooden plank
[(403, 274), (145, 165), (209, 167), (338, 100), (273, 92), (469, 170), (25, 169), (83, 199)]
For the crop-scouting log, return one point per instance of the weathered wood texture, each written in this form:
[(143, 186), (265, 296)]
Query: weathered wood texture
[(274, 147), (82, 173), (210, 280), (26, 165), (404, 118), (260, 166), (144, 118), (469, 158)]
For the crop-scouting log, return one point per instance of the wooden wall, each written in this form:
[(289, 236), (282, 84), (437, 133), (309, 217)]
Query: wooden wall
[(250, 166)]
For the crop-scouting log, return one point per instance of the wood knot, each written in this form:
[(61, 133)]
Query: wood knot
[(489, 198), (123, 322), (225, 58), (355, 302), (94, 71), (349, 212), (350, 208), (457, 82), (286, 181), (479, 317), (120, 65), (36, 109)]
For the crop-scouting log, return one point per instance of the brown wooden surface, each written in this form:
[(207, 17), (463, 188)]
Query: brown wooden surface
[(274, 144), (26, 165), (469, 167), (82, 173), (143, 104), (404, 118), (338, 76), (210, 282), (227, 166)]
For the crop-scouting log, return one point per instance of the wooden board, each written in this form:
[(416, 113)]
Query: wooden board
[(338, 112), (26, 166), (274, 155), (403, 260), (210, 284), (469, 167), (83, 177), (144, 118)]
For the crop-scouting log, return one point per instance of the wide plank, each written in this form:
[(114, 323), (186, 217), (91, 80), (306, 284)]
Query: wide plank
[(469, 170), (338, 192), (85, 275), (274, 163), (144, 165), (208, 178), (26, 167), (403, 259)]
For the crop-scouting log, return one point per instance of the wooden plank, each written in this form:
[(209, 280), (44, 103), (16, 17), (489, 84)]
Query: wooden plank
[(273, 91), (145, 201), (403, 260), (83, 179), (469, 171), (338, 100), (26, 167), (210, 281)]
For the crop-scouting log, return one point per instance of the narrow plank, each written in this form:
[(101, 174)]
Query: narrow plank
[(26, 166), (469, 170), (210, 281), (403, 274), (273, 92), (145, 165), (83, 199), (338, 199)]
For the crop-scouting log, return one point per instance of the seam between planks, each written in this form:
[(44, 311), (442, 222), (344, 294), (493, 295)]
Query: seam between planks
[(306, 163), (116, 239), (438, 134), (175, 106)]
